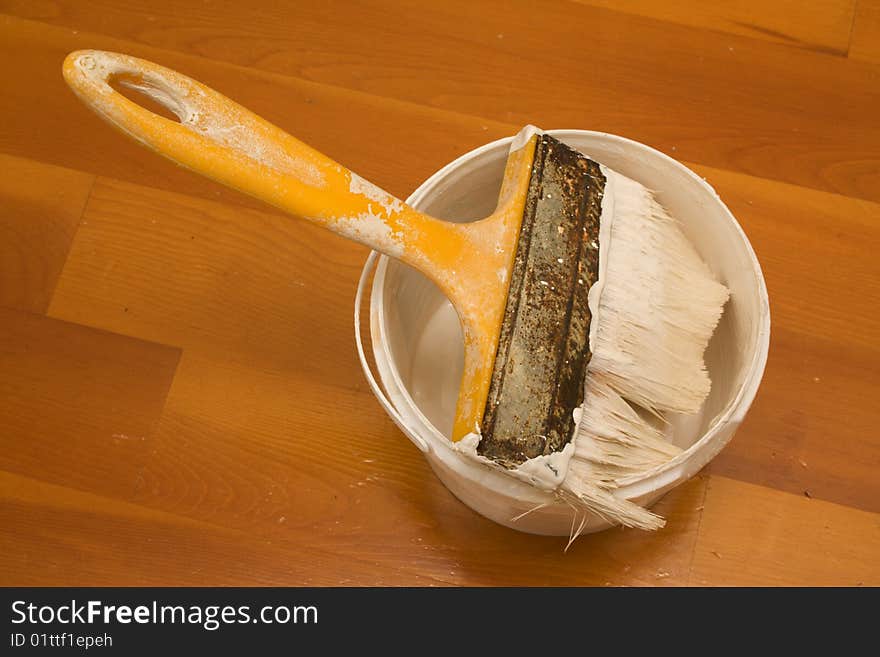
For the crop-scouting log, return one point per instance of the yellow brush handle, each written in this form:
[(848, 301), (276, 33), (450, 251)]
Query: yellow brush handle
[(471, 263), (226, 142)]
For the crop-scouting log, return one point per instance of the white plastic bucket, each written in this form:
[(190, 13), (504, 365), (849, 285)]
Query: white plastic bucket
[(417, 348)]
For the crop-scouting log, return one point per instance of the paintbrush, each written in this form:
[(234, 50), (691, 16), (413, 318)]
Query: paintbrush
[(569, 320)]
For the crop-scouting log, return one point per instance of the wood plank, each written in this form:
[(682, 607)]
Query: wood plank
[(251, 432), (812, 424), (64, 132), (865, 43), (822, 25), (755, 536), (55, 536), (78, 406), (41, 207), (816, 130), (212, 277), (261, 452), (811, 427), (798, 234)]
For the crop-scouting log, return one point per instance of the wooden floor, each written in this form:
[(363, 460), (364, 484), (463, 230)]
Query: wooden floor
[(180, 397)]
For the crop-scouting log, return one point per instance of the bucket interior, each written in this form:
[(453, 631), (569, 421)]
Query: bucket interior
[(422, 331)]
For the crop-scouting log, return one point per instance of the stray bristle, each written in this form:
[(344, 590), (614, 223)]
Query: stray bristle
[(616, 440), (613, 441), (584, 493)]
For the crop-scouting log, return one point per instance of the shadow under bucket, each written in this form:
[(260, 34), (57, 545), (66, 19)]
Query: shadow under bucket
[(417, 343)]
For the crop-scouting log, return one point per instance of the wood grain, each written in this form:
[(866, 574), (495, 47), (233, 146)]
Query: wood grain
[(798, 235), (865, 41), (822, 373), (754, 537), (297, 482), (50, 535), (41, 210), (78, 405), (180, 396), (731, 102), (65, 133), (810, 429), (823, 25), (271, 288)]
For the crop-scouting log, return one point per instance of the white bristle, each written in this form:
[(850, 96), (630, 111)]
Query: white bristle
[(613, 435), (655, 308), (583, 492), (658, 308), (613, 441)]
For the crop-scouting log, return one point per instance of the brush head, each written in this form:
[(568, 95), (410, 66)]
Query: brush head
[(544, 348)]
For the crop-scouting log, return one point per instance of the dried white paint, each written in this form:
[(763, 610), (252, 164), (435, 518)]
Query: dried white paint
[(546, 472), (523, 136), (389, 203), (227, 124), (371, 230)]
